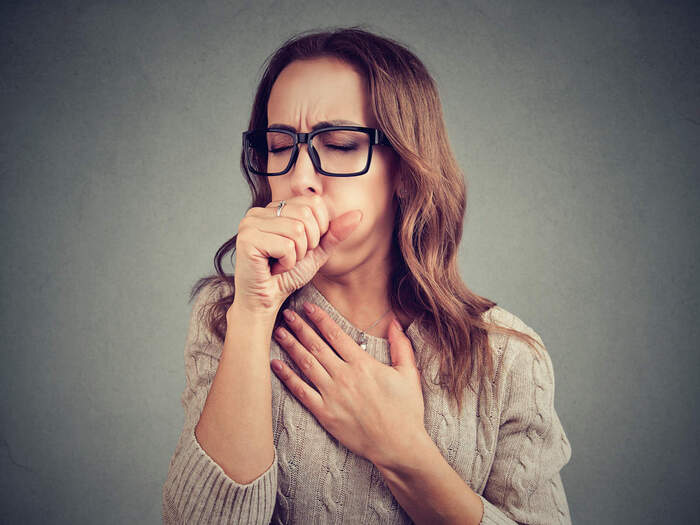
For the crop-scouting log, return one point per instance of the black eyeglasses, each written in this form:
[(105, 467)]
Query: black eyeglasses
[(336, 151)]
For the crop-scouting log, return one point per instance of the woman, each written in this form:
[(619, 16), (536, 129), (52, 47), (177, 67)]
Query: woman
[(402, 395)]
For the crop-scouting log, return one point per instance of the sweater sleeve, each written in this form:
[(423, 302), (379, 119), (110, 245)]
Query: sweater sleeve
[(525, 485), (197, 490)]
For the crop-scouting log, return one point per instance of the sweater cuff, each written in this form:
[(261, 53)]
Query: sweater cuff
[(201, 492), (493, 515)]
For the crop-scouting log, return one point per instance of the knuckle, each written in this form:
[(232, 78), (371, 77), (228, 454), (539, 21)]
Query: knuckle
[(334, 333), (328, 418), (246, 235), (363, 366), (306, 210), (243, 225), (299, 228), (347, 381), (306, 362), (315, 348), (253, 212), (291, 245)]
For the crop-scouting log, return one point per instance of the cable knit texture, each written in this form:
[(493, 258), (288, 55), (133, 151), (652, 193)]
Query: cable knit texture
[(507, 443)]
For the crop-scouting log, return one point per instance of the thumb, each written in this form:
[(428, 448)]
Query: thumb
[(400, 347), (339, 229)]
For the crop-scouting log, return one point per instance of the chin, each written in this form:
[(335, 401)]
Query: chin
[(337, 264)]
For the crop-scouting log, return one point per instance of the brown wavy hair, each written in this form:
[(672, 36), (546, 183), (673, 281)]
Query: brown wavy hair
[(425, 281)]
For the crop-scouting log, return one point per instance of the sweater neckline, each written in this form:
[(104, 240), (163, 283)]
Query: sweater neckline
[(376, 346)]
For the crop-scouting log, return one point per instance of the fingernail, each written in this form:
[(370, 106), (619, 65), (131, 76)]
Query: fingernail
[(276, 366), (397, 325), (288, 315), (280, 333), (309, 308)]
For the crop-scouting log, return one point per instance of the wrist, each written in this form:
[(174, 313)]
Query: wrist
[(402, 460), (240, 307), (241, 319)]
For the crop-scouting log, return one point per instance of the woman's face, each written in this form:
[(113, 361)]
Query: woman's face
[(328, 89)]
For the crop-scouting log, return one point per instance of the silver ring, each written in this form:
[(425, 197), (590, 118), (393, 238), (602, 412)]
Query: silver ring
[(279, 207)]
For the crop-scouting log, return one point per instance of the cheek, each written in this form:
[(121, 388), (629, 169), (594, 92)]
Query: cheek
[(374, 194), (376, 209), (385, 165), (276, 188)]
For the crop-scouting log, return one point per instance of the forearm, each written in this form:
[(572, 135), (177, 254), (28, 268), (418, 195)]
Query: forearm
[(430, 490), (235, 427)]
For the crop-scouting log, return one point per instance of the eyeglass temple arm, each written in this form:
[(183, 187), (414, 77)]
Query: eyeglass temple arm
[(381, 138)]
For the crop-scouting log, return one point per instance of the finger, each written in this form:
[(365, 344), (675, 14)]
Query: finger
[(339, 229), (266, 245), (306, 213), (314, 211), (304, 359), (315, 345), (321, 214), (400, 347), (346, 347), (289, 227), (306, 395)]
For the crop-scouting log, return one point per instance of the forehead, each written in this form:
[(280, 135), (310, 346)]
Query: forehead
[(326, 88)]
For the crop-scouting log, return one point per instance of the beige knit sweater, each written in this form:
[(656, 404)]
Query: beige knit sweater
[(507, 443)]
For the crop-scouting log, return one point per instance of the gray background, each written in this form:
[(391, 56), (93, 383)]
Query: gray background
[(576, 124)]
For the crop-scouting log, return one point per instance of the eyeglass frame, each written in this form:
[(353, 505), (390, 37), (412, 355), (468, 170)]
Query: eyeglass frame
[(377, 138)]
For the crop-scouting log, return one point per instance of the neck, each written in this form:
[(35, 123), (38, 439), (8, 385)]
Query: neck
[(362, 294), (360, 297)]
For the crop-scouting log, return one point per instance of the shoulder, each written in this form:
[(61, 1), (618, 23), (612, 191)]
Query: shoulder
[(515, 359), (503, 317)]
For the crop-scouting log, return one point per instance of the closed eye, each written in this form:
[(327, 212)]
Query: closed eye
[(341, 148), (278, 150)]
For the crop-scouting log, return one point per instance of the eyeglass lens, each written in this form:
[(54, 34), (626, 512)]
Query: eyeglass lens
[(339, 151)]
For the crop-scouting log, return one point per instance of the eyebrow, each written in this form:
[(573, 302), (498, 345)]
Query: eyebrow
[(318, 125)]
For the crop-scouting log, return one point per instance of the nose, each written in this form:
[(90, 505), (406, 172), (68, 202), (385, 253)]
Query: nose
[(303, 177)]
